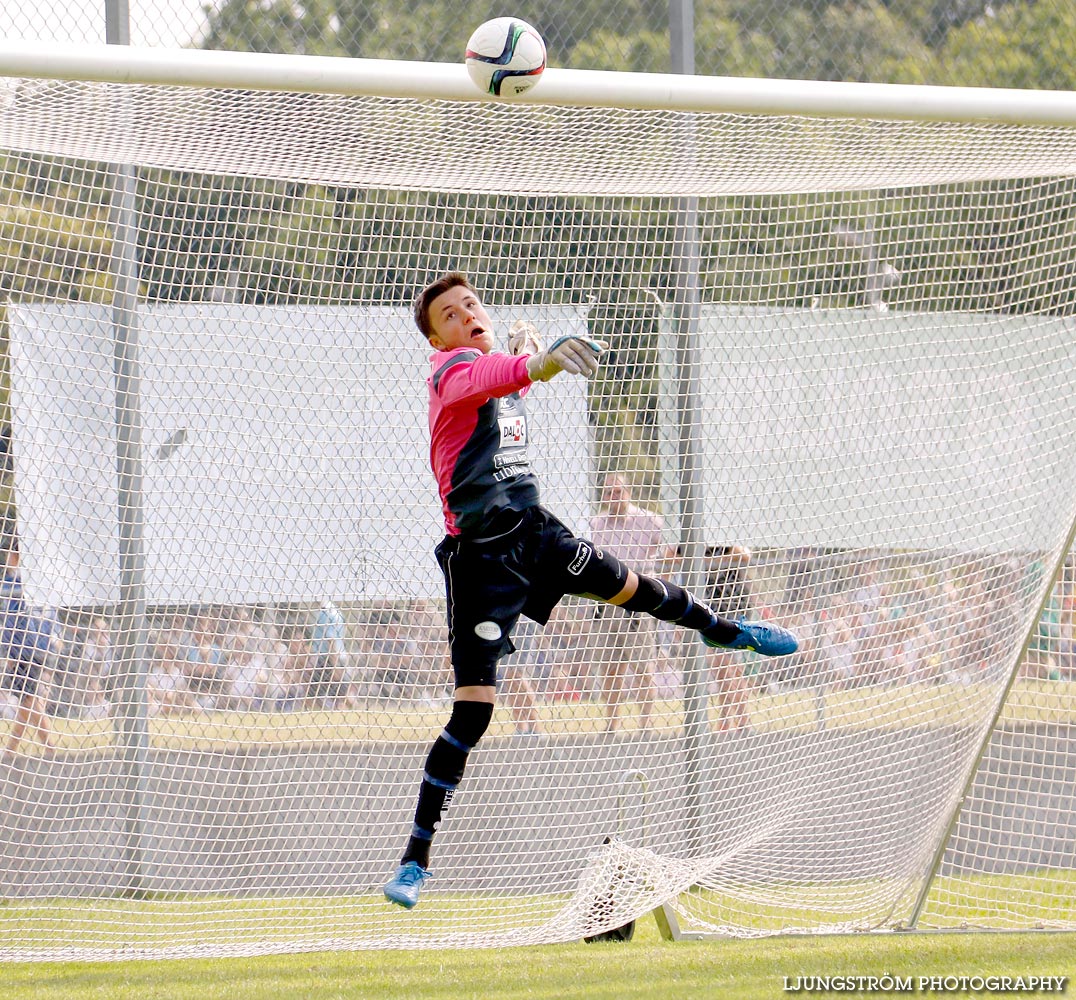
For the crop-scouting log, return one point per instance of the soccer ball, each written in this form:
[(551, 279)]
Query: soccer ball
[(505, 57)]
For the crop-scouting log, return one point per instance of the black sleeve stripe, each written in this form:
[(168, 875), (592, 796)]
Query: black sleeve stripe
[(459, 359)]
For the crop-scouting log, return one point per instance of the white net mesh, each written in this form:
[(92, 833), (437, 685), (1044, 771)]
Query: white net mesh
[(841, 374)]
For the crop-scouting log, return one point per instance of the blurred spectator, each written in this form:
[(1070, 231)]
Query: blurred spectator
[(433, 680), (950, 624), (805, 667), (1043, 652), (234, 628), (515, 672), (328, 650), (275, 651), (901, 634), (900, 647), (26, 640), (836, 646), (879, 620), (392, 659), (1066, 652), (67, 688), (176, 631), (6, 458), (295, 669), (166, 685), (868, 594), (205, 666), (97, 668), (627, 643), (992, 619), (728, 590), (251, 686), (802, 584), (977, 626), (868, 603), (567, 655)]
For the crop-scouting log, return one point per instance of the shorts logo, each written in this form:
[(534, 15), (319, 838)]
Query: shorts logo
[(488, 631), (582, 557)]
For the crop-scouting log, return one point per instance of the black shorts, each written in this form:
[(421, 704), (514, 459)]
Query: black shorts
[(491, 581)]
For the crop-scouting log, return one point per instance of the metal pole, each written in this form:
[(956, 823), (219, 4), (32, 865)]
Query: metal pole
[(117, 22), (988, 733), (686, 303), (682, 37), (130, 627)]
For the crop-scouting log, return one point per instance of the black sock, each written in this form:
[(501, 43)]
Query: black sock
[(444, 770), (670, 603)]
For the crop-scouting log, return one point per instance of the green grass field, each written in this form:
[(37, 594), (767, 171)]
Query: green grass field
[(647, 967), (1029, 703)]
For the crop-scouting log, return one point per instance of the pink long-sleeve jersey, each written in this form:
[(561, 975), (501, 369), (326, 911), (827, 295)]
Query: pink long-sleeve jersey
[(478, 437)]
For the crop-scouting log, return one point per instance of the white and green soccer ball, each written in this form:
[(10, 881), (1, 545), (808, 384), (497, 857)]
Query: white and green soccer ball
[(505, 56)]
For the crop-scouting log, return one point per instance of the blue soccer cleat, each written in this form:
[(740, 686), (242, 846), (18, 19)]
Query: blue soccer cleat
[(406, 884), (761, 637)]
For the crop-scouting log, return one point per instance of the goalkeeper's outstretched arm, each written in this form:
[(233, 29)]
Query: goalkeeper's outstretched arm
[(575, 355), (571, 354)]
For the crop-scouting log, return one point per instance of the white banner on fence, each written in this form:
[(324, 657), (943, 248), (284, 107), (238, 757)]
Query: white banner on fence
[(285, 452), (859, 429)]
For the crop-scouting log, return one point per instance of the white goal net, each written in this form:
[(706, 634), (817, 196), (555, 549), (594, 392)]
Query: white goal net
[(841, 379)]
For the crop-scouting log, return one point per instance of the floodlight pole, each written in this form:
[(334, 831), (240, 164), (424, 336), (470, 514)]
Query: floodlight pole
[(686, 301), (130, 627)]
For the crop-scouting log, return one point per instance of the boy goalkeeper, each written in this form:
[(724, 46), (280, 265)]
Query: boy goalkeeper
[(503, 554)]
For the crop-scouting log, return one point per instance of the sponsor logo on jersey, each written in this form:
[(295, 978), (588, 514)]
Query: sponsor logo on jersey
[(513, 430), (501, 459), (510, 472)]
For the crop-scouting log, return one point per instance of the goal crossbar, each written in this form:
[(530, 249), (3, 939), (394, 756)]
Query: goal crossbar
[(561, 87), (841, 386)]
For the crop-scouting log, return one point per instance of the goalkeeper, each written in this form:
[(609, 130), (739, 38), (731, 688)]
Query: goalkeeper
[(504, 555)]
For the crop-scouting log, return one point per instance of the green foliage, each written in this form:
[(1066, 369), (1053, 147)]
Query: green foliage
[(421, 30), (55, 239), (1017, 43), (645, 52), (275, 26), (993, 247), (850, 41), (1025, 45), (1000, 246)]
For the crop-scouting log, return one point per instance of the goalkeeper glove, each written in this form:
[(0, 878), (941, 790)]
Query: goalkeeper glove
[(574, 355), (523, 338)]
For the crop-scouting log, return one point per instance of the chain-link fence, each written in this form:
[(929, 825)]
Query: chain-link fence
[(1004, 43)]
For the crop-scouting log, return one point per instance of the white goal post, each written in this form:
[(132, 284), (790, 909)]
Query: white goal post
[(560, 87), (842, 373)]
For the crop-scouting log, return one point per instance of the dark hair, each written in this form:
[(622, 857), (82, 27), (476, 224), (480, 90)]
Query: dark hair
[(432, 291)]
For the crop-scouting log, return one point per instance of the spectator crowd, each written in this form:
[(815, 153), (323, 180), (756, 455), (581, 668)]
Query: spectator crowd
[(880, 620), (244, 659)]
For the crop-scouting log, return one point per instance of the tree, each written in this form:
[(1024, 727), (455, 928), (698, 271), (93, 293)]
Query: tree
[(310, 27), (644, 52), (1026, 45), (724, 47), (848, 41)]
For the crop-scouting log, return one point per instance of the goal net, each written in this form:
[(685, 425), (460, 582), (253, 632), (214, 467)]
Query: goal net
[(840, 394)]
